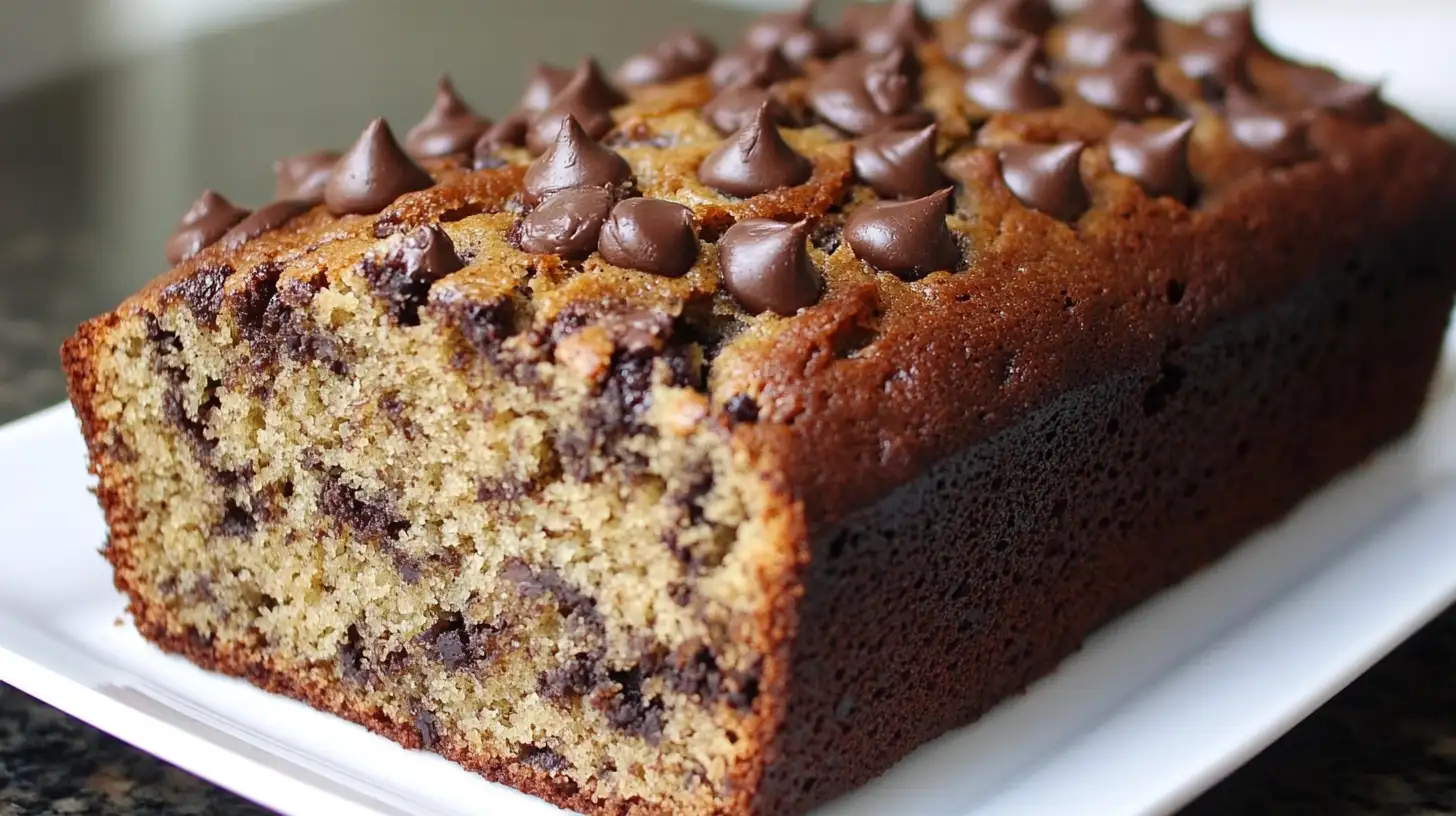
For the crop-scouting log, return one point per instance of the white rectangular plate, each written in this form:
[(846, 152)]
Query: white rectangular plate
[(1154, 709)]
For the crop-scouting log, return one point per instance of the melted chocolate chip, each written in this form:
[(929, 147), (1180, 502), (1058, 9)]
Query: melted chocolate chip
[(737, 105), (742, 408), (879, 28), (754, 160), (1016, 81), (1125, 86), (303, 176), (403, 276), (448, 128), (265, 219), (756, 66), (899, 163), (372, 174), (1156, 159), (542, 85), (650, 235), (587, 96), (508, 132), (1275, 135), (1008, 21), (679, 54), (794, 33), (908, 238), (574, 160), (208, 218), (1217, 65), (859, 96), (567, 224), (766, 266), (1107, 28), (1047, 178)]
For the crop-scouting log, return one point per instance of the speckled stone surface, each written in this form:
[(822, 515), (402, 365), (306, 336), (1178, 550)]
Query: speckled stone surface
[(95, 168)]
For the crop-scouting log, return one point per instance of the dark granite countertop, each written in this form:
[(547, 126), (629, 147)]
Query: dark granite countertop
[(95, 167)]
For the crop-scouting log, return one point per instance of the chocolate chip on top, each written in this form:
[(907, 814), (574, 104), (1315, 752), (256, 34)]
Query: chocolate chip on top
[(448, 128), (1235, 25), (1276, 136), (402, 276), (1125, 86), (860, 95), (206, 220), (759, 66), (908, 238), (899, 163), (766, 266), (879, 28), (1107, 28), (1217, 65), (587, 96), (303, 176), (679, 54), (542, 85), (508, 132), (1047, 178), (575, 159), (738, 104), (754, 160), (794, 33), (650, 235), (1326, 91), (567, 224), (1016, 81), (1007, 21), (372, 174), (1156, 158), (265, 219), (977, 54)]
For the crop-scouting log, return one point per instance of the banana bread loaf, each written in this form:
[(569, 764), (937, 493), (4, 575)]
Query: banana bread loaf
[(704, 439)]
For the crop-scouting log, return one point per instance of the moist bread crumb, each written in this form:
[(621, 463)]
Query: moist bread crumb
[(703, 441)]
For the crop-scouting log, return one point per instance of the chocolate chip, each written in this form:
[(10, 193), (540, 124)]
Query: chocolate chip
[(402, 276), (202, 291), (573, 160), (458, 644), (754, 160), (544, 83), (908, 238), (372, 174), (766, 266), (859, 95), (1235, 25), (742, 408), (353, 664), (370, 520), (1007, 21), (303, 176), (738, 104), (508, 132), (757, 66), (1124, 86), (880, 28), (207, 219), (1047, 178), (543, 759), (265, 219), (1015, 81), (568, 223), (899, 163), (650, 235), (1108, 28), (586, 96), (1326, 91), (620, 699), (427, 726), (794, 33), (572, 679), (1277, 136), (448, 128), (679, 54), (977, 54), (1217, 65), (1157, 159)]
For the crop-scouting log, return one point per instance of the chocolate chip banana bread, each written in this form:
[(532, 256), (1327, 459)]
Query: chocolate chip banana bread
[(703, 439)]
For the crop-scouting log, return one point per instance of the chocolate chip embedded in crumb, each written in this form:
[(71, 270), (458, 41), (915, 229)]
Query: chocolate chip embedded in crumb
[(621, 700), (650, 235), (543, 759), (448, 128), (574, 160), (207, 219), (402, 276), (303, 176), (353, 665), (1047, 178), (766, 266), (202, 291), (1157, 159), (742, 408), (908, 238), (754, 160), (372, 174), (427, 726), (574, 678)]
